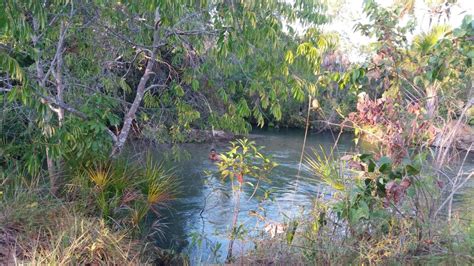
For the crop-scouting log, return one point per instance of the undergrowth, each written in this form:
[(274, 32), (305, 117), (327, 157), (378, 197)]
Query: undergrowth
[(97, 217)]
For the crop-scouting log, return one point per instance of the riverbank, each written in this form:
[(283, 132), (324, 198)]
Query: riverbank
[(194, 227)]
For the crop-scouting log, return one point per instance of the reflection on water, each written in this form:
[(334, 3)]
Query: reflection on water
[(205, 204)]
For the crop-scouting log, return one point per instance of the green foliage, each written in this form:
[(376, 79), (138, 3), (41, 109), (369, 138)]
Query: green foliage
[(244, 160), (240, 164), (363, 195), (11, 66), (329, 172), (125, 192), (219, 65), (161, 184), (434, 69)]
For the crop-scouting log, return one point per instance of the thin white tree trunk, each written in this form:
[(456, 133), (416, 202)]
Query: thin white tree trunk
[(56, 70), (58, 75), (234, 225), (130, 115), (432, 99), (41, 82)]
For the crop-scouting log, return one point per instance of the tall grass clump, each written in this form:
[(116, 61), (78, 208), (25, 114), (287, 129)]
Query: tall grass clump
[(96, 217), (41, 230), (124, 192)]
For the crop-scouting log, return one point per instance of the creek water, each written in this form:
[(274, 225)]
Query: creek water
[(200, 219)]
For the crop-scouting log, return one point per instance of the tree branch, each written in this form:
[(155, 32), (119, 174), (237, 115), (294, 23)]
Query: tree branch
[(53, 101), (130, 115)]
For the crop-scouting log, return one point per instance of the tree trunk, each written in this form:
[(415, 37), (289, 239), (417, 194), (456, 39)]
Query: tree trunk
[(41, 82), (56, 70), (58, 76), (130, 115), (39, 67), (51, 172), (432, 99), (234, 225)]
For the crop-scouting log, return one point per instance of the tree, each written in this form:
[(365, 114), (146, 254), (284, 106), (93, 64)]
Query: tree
[(92, 72), (241, 162), (32, 32)]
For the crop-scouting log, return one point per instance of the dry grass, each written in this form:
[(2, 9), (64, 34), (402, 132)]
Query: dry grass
[(47, 232)]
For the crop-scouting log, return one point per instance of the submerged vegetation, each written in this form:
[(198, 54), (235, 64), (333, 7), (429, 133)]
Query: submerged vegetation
[(81, 81)]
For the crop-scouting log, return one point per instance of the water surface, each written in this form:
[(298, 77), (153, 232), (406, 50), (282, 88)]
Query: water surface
[(205, 206)]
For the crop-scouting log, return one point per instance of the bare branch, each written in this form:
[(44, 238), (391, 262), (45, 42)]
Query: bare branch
[(59, 51), (130, 115), (155, 86), (50, 100)]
